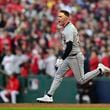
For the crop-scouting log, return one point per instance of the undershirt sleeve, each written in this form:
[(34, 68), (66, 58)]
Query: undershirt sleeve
[(67, 50)]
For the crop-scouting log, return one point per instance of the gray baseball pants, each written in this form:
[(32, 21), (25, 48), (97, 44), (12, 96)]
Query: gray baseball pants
[(76, 63)]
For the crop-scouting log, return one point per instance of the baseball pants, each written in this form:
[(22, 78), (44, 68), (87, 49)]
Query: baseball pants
[(76, 63)]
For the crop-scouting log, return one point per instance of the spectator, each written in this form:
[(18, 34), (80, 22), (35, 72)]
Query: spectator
[(8, 62), (94, 60), (11, 89), (106, 58), (84, 92), (35, 62), (50, 61), (2, 19), (19, 59)]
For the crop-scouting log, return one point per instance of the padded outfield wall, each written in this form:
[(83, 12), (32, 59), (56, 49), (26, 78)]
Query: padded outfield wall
[(66, 92)]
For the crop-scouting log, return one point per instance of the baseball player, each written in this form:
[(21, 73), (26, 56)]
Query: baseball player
[(72, 58)]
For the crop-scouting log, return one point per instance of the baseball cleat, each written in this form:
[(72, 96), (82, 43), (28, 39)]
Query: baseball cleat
[(45, 99), (103, 68)]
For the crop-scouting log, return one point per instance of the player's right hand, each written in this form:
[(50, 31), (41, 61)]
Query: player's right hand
[(59, 62)]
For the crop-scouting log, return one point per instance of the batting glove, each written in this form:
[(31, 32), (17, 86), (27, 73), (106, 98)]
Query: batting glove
[(59, 62)]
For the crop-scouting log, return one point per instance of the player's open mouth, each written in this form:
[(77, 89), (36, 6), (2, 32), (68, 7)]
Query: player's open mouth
[(59, 21)]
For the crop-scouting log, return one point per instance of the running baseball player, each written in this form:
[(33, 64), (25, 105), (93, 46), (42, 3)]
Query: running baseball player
[(72, 58)]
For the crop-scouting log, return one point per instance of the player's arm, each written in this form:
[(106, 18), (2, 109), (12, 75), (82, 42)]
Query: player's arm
[(67, 50), (69, 38), (66, 53)]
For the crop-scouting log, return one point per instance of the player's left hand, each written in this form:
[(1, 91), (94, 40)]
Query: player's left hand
[(59, 62)]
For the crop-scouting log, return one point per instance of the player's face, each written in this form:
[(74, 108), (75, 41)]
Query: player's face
[(61, 19)]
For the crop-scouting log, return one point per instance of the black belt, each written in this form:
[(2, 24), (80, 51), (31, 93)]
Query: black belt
[(73, 54)]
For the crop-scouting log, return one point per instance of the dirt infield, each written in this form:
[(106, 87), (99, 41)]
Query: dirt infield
[(28, 105)]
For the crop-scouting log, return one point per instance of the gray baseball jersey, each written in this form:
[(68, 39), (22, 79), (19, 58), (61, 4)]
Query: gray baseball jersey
[(70, 33)]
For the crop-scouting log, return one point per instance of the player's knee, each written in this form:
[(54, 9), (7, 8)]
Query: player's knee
[(58, 77)]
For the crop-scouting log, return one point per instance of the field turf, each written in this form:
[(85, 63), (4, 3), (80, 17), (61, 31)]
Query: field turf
[(54, 109), (54, 106)]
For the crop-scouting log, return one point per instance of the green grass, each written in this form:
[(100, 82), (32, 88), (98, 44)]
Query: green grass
[(54, 108)]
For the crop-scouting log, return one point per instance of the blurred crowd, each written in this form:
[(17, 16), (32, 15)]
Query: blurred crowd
[(29, 34), (30, 40)]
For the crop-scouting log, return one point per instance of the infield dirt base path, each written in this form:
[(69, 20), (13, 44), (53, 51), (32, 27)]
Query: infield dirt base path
[(28, 105)]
